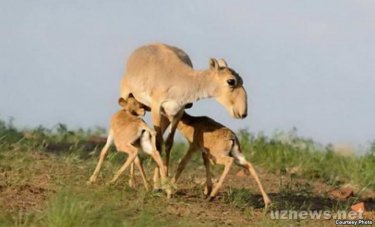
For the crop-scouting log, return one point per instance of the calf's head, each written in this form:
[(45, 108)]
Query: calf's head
[(133, 106)]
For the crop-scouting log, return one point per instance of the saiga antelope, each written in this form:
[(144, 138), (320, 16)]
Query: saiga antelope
[(162, 77), (219, 145), (130, 134)]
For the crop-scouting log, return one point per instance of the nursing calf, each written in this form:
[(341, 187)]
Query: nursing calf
[(130, 133)]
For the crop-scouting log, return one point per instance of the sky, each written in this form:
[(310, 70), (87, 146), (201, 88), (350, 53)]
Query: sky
[(305, 64)]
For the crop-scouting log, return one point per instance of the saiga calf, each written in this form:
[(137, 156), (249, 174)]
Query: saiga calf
[(219, 145), (130, 134)]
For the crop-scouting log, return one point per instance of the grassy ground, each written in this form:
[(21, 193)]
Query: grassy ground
[(43, 176)]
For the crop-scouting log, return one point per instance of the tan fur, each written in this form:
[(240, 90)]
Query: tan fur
[(130, 134), (219, 145), (162, 78)]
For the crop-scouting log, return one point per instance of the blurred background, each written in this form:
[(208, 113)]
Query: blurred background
[(305, 64)]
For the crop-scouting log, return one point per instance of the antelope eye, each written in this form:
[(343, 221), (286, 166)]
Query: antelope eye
[(231, 82)]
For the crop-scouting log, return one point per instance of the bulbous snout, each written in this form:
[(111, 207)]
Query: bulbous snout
[(235, 102), (239, 103), (238, 114)]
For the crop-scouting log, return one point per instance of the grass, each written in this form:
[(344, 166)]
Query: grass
[(286, 152), (43, 174)]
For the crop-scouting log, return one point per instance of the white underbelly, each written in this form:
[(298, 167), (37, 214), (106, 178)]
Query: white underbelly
[(143, 98), (171, 108)]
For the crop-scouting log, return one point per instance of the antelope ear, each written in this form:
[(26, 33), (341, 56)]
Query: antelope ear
[(222, 63), (214, 65), (122, 102)]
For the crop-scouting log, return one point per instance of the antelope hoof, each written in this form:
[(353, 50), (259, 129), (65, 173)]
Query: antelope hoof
[(210, 198), (157, 189), (267, 203), (207, 191), (91, 180), (112, 182), (131, 184), (169, 194)]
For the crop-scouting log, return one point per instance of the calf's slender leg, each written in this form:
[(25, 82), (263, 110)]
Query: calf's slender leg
[(133, 152), (132, 176), (139, 165), (227, 162), (102, 156), (183, 162), (209, 184)]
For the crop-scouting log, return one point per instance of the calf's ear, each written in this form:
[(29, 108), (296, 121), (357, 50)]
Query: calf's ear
[(122, 102)]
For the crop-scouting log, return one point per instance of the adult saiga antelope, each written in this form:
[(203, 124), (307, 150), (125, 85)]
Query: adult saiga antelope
[(162, 77), (219, 145), (130, 133)]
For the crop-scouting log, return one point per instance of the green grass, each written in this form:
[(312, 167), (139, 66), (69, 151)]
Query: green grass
[(43, 174), (285, 151), (70, 202)]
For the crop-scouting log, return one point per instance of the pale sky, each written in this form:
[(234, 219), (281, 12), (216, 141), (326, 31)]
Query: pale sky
[(305, 64)]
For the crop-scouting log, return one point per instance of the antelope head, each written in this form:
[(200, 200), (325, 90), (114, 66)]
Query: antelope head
[(133, 106), (229, 90)]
